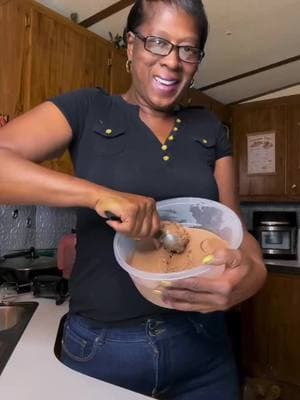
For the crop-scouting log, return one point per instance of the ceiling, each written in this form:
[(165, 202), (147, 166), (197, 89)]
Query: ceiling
[(245, 35)]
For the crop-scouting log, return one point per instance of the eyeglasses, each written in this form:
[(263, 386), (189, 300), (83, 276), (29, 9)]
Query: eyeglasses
[(162, 47)]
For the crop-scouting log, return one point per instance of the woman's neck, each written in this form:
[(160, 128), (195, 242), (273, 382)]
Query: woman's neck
[(160, 122), (146, 111)]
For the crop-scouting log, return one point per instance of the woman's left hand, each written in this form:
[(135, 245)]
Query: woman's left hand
[(243, 276)]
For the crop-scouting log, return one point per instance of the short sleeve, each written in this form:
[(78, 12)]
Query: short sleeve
[(223, 145), (75, 105)]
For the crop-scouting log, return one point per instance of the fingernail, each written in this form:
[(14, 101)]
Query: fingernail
[(207, 259), (158, 292), (165, 283)]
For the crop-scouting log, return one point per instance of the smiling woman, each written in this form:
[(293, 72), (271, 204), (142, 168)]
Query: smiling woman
[(130, 151), (174, 39)]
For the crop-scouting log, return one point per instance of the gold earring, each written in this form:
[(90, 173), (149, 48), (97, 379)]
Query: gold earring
[(128, 66), (191, 84)]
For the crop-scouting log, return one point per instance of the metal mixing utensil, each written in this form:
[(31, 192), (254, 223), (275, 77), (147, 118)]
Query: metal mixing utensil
[(172, 235)]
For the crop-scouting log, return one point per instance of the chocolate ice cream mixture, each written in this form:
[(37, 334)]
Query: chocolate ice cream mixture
[(179, 234), (147, 257)]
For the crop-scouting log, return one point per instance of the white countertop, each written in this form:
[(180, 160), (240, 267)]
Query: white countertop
[(33, 372)]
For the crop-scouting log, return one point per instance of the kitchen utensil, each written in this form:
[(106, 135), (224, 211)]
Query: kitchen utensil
[(29, 253), (173, 237), (171, 241)]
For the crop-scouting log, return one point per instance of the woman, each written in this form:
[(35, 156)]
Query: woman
[(130, 151)]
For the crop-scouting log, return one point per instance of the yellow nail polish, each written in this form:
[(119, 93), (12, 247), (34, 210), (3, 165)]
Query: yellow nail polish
[(158, 292), (165, 283), (207, 259)]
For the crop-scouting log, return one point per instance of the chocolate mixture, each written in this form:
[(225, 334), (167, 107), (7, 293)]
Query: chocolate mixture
[(147, 257)]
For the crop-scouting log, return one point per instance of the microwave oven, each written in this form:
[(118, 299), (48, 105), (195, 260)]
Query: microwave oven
[(277, 233)]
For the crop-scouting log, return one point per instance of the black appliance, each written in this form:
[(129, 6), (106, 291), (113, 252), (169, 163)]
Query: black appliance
[(50, 287), (22, 266), (277, 233), (36, 271)]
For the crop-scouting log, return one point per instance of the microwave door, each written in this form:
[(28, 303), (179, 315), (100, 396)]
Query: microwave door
[(276, 240)]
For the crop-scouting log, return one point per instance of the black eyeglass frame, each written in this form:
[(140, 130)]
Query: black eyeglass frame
[(145, 38)]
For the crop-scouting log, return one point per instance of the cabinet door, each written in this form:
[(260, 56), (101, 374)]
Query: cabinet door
[(293, 164), (62, 59), (79, 53), (14, 34), (102, 65), (271, 330), (120, 79), (257, 119), (193, 97)]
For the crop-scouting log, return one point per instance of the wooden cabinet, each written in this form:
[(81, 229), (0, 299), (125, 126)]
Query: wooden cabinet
[(247, 120), (62, 59), (195, 97), (14, 34), (103, 65), (45, 54), (293, 150), (270, 332), (281, 116), (120, 79)]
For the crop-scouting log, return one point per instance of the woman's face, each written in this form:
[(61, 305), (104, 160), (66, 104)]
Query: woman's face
[(158, 81)]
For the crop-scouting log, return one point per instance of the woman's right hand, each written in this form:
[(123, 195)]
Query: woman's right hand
[(138, 214)]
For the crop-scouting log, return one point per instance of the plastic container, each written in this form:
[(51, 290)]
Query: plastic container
[(190, 212)]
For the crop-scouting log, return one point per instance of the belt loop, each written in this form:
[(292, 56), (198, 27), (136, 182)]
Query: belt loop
[(154, 326)]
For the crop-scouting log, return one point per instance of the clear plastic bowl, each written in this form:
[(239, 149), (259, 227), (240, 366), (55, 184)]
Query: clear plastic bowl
[(190, 212)]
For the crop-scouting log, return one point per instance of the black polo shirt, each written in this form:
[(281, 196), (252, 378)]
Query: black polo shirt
[(112, 147)]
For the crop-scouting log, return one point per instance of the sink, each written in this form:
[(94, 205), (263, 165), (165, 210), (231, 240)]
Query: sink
[(10, 316), (14, 318)]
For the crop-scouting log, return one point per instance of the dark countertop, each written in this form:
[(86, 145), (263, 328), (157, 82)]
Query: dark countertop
[(283, 266)]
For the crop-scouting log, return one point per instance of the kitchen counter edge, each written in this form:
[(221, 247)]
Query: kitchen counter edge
[(34, 371)]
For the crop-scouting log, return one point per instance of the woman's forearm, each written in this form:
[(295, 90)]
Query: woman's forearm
[(24, 182)]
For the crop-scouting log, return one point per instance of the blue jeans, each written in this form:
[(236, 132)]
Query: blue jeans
[(184, 356)]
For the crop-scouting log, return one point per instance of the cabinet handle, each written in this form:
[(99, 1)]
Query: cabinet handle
[(27, 21), (294, 186)]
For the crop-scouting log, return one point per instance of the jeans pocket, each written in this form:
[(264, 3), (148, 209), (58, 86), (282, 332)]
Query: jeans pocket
[(78, 346)]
